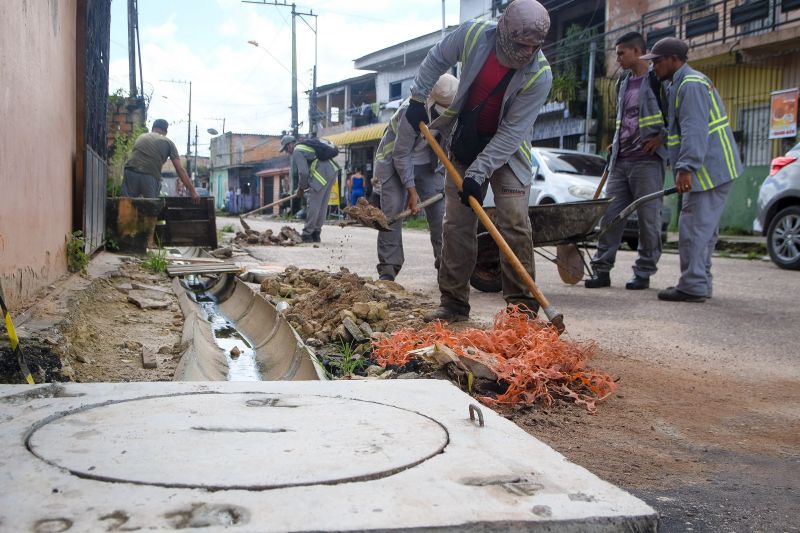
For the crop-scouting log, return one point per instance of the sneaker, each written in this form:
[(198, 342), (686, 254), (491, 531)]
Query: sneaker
[(637, 283), (598, 280), (671, 294), (445, 314)]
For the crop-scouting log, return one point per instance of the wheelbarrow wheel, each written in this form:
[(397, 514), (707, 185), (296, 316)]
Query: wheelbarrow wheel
[(486, 276)]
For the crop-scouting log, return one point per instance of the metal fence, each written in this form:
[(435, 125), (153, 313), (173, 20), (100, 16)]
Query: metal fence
[(94, 201)]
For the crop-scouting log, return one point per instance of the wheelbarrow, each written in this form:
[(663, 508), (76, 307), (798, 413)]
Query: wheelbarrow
[(566, 226)]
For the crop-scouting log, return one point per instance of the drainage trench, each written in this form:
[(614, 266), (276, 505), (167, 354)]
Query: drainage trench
[(241, 368)]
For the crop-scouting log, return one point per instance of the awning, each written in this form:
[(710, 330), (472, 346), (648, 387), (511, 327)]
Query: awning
[(373, 132)]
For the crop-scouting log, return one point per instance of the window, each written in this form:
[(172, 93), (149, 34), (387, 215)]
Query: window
[(569, 163), (400, 89), (334, 114)]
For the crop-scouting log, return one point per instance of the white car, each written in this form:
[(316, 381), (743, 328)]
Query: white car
[(561, 176)]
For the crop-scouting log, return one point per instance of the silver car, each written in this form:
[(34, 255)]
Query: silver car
[(779, 210)]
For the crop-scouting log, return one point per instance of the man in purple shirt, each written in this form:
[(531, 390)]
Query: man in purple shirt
[(636, 167)]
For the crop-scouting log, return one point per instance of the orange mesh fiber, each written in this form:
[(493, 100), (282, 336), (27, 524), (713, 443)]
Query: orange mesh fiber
[(527, 355)]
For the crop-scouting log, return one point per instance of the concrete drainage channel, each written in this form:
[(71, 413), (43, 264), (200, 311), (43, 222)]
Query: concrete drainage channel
[(217, 448)]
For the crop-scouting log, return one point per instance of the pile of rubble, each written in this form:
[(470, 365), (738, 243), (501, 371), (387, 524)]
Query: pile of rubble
[(287, 236), (341, 307)]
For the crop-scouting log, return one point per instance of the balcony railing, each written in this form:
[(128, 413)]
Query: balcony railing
[(705, 22)]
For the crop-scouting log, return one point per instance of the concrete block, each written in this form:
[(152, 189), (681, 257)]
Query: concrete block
[(286, 456)]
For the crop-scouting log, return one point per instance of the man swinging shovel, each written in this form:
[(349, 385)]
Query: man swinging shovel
[(505, 80)]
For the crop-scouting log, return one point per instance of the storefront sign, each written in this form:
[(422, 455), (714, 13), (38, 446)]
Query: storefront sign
[(783, 114)]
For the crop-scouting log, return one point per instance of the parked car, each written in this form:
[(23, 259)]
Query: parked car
[(561, 176), (779, 210)]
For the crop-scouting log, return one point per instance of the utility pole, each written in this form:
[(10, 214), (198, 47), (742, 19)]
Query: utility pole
[(589, 95), (195, 152), (295, 13), (132, 48), (443, 24)]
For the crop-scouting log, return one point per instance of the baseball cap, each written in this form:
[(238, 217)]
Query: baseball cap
[(285, 140), (668, 46), (161, 124), (443, 93)]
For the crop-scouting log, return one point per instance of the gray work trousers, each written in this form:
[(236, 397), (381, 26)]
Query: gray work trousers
[(699, 230), (629, 181), (460, 243), (394, 198), (317, 208), (135, 185)]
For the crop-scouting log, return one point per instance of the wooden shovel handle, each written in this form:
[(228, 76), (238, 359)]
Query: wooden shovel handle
[(273, 204), (556, 318)]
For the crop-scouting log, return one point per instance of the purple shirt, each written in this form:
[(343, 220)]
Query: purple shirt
[(630, 143)]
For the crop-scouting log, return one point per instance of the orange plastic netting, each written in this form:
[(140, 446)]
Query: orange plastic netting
[(528, 355)]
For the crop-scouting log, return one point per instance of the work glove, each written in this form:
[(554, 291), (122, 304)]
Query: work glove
[(416, 113), (471, 188)]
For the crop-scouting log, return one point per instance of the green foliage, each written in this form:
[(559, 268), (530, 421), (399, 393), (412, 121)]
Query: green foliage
[(228, 228), (156, 261), (76, 254), (565, 88), (121, 151), (116, 98), (112, 245), (349, 363), (416, 223)]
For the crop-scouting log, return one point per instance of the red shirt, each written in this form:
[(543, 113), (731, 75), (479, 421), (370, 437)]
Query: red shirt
[(490, 75)]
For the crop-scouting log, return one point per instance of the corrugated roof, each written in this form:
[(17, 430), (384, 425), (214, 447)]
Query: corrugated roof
[(373, 132)]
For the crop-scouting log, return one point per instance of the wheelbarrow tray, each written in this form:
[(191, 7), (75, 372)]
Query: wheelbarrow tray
[(564, 223)]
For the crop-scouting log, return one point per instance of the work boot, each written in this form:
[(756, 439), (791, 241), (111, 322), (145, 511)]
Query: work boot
[(671, 294), (445, 314), (598, 280), (308, 238), (386, 277), (638, 283), (317, 236)]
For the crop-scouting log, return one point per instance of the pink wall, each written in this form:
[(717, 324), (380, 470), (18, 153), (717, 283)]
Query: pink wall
[(37, 142)]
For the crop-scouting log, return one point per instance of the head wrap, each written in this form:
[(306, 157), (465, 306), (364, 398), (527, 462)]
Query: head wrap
[(524, 22)]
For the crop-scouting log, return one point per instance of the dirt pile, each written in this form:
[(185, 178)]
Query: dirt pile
[(342, 307), (367, 214), (285, 237)]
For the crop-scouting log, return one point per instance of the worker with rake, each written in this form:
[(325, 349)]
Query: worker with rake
[(505, 80), (408, 171)]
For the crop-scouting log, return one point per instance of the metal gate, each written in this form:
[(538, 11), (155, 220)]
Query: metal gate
[(756, 147), (94, 200)]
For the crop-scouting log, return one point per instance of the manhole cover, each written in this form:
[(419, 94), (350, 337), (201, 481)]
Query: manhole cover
[(238, 440)]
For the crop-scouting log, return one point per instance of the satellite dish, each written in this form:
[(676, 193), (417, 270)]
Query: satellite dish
[(212, 131)]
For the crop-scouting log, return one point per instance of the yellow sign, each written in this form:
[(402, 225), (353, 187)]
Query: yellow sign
[(783, 114), (334, 199)]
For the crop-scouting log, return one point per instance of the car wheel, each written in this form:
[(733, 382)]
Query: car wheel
[(633, 243), (783, 238)]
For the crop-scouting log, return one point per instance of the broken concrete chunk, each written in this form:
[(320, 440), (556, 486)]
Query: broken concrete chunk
[(124, 287), (377, 311), (148, 358), (235, 352), (142, 286), (81, 359), (222, 253), (132, 345), (354, 330), (361, 309), (148, 299)]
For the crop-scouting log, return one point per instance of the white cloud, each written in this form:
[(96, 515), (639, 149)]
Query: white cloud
[(249, 86)]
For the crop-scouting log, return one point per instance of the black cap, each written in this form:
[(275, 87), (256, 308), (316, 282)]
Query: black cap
[(161, 124), (668, 46)]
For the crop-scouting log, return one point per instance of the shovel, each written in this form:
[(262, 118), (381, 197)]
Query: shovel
[(264, 207), (555, 318), (382, 224), (625, 213)]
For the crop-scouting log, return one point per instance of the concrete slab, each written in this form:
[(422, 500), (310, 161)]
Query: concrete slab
[(286, 456)]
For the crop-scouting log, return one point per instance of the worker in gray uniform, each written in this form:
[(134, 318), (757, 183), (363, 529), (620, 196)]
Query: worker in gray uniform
[(505, 80), (316, 178), (635, 167), (705, 160), (408, 172)]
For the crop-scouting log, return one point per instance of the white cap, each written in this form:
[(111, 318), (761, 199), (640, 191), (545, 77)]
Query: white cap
[(443, 93)]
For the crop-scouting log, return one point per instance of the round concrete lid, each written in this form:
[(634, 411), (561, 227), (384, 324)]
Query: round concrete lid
[(238, 441)]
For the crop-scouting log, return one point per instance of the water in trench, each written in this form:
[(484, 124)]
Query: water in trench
[(244, 367)]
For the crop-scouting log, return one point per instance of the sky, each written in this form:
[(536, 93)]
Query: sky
[(205, 41)]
